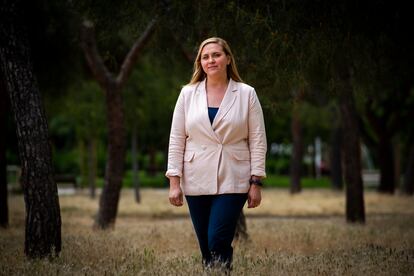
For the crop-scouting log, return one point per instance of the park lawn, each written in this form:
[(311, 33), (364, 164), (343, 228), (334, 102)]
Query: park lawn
[(304, 234)]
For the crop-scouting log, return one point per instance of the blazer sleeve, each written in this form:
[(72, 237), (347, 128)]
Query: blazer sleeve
[(177, 140), (257, 137)]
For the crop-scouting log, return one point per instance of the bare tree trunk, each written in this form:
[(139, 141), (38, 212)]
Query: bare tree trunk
[(383, 129), (336, 160), (43, 223), (297, 155), (408, 186), (108, 205), (92, 166), (355, 210), (386, 164), (4, 209), (135, 165), (83, 163), (397, 165)]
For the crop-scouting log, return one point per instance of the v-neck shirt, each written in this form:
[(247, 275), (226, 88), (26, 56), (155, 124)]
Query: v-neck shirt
[(212, 112)]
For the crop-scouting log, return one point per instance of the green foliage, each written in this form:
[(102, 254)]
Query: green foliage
[(281, 47), (279, 181), (145, 180), (66, 161), (150, 97), (144, 161)]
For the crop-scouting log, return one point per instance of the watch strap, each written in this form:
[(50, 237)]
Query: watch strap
[(256, 181)]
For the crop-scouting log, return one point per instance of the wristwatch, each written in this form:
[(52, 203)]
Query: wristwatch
[(256, 181)]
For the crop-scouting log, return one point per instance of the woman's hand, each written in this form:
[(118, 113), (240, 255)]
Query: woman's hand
[(175, 194), (254, 196)]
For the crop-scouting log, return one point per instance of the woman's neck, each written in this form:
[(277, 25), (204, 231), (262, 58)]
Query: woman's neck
[(217, 82)]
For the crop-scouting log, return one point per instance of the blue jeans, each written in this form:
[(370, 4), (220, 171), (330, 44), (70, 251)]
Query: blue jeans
[(215, 218)]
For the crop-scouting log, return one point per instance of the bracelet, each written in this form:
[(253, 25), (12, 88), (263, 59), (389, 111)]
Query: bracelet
[(256, 181)]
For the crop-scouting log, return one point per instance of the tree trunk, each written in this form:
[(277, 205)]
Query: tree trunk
[(135, 165), (297, 155), (384, 131), (108, 204), (355, 210), (43, 223), (4, 210), (336, 160), (397, 165), (408, 186), (386, 164), (92, 166), (83, 162)]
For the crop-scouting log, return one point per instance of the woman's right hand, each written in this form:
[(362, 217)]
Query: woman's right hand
[(175, 194)]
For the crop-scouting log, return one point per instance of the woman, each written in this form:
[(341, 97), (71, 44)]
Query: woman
[(217, 149)]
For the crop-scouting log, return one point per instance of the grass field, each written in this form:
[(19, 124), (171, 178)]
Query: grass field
[(304, 234)]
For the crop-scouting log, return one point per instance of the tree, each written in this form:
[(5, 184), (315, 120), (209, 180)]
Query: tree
[(408, 184), (355, 209), (336, 158), (297, 147), (43, 223), (85, 109), (108, 205), (4, 211)]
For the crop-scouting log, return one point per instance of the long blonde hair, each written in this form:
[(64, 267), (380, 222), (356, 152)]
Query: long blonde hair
[(198, 73)]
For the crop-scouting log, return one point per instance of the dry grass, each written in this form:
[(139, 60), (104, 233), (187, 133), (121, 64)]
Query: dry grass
[(304, 234)]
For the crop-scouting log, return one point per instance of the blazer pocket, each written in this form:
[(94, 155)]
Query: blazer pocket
[(188, 169), (188, 156), (241, 155), (242, 164)]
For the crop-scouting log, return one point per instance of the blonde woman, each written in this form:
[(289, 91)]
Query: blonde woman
[(217, 150)]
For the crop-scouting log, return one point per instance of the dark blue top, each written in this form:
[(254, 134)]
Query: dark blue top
[(212, 111)]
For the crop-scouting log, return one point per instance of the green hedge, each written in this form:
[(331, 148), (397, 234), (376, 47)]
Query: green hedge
[(306, 182), (277, 181)]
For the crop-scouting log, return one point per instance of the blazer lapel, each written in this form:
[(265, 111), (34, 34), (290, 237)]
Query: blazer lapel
[(227, 102), (203, 108)]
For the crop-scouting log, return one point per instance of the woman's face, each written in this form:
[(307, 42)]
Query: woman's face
[(214, 61)]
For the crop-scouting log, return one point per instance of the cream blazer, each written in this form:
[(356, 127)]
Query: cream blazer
[(217, 158)]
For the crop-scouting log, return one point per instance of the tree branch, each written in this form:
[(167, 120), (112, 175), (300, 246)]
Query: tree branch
[(133, 54), (93, 58), (188, 56)]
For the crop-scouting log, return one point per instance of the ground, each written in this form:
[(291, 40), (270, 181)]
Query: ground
[(304, 234)]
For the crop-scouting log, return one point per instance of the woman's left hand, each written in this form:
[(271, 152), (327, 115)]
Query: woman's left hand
[(254, 196)]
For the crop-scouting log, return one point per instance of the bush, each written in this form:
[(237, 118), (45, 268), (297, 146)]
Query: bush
[(145, 180), (283, 181), (278, 166)]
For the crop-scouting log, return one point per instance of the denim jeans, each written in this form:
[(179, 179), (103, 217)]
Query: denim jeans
[(215, 218)]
